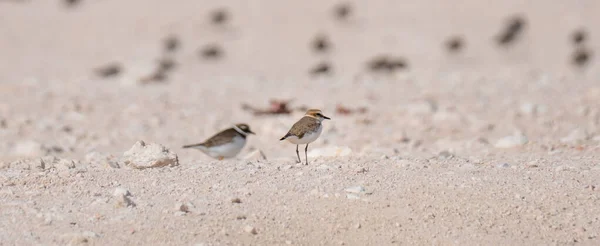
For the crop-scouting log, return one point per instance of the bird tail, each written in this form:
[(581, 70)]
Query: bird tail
[(284, 137), (192, 145)]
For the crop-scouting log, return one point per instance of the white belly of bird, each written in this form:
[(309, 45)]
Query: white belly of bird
[(227, 150), (307, 138)]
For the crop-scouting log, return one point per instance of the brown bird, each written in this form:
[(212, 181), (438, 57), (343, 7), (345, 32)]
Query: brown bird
[(225, 144), (306, 131)]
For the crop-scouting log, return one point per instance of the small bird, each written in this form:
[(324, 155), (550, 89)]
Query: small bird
[(306, 130), (225, 144)]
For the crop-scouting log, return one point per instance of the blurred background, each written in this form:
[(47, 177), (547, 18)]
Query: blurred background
[(83, 75)]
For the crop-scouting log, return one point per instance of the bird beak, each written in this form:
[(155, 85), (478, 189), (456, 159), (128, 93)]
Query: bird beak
[(325, 117), (251, 132)]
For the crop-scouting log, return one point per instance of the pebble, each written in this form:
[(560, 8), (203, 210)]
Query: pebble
[(352, 196), (360, 170), (516, 140), (182, 207), (250, 229), (503, 165), (122, 197), (355, 189), (151, 155), (576, 136), (236, 200)]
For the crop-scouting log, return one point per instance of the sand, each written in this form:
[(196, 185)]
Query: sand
[(490, 145)]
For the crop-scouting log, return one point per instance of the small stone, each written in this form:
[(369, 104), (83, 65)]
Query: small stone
[(503, 165), (142, 156), (122, 197), (357, 226), (532, 164), (519, 139), (250, 229), (454, 44), (181, 207), (71, 3), (355, 189), (109, 70), (576, 136), (219, 16), (120, 191), (581, 57), (342, 11), (578, 36), (321, 68), (64, 164), (360, 170), (211, 51), (514, 28), (445, 155), (321, 43), (171, 43), (236, 200), (352, 196)]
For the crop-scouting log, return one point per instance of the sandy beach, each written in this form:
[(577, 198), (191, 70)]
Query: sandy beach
[(451, 124)]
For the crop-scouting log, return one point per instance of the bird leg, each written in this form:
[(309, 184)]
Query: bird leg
[(306, 154), (298, 154)]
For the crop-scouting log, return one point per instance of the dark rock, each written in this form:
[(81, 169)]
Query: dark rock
[(171, 44), (211, 52), (321, 68), (512, 31), (342, 11), (454, 44), (581, 57), (579, 36), (219, 16), (109, 70), (321, 44)]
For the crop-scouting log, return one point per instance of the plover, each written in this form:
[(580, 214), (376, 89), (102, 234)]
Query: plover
[(225, 144), (306, 130)]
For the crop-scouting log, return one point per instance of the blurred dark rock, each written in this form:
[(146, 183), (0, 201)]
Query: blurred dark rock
[(321, 68), (342, 11), (219, 16), (211, 52), (109, 70), (514, 28), (579, 36), (321, 43), (581, 57), (454, 44), (171, 44)]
